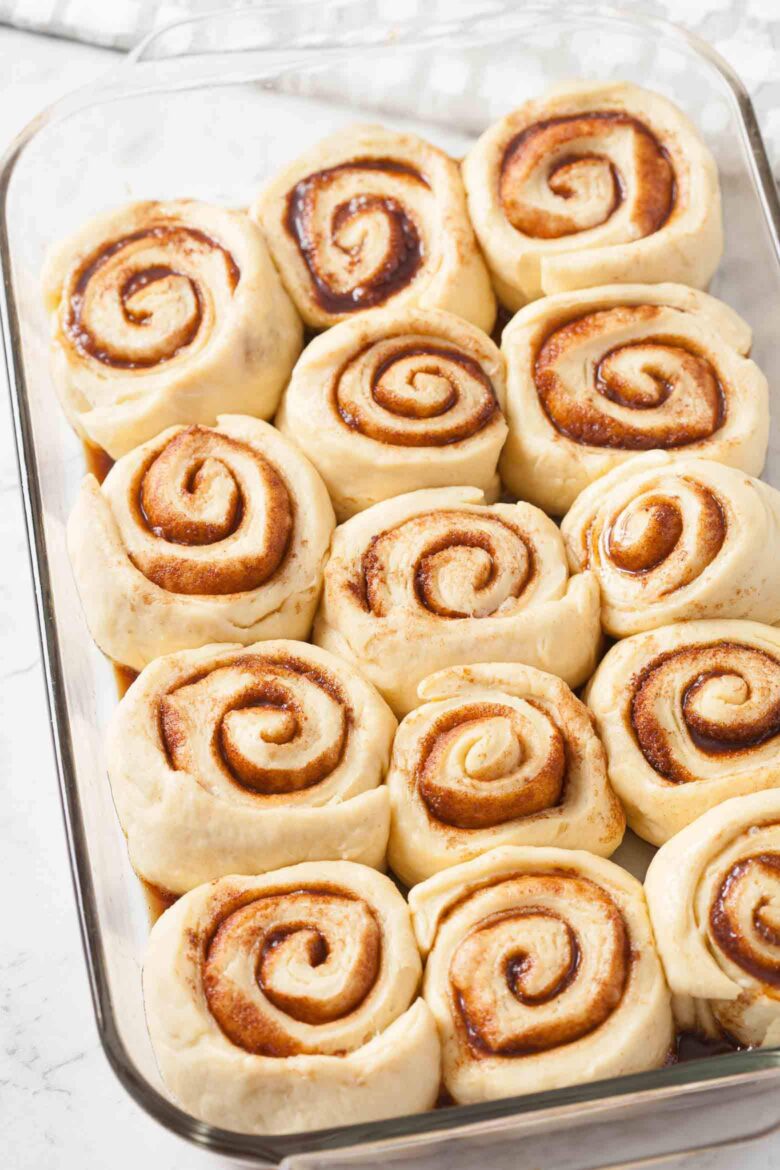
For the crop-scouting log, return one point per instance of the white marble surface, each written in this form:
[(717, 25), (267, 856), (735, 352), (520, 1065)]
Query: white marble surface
[(60, 1105)]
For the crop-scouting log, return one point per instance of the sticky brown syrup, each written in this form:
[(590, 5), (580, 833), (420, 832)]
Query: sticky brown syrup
[(98, 461), (695, 1046), (157, 900), (125, 677)]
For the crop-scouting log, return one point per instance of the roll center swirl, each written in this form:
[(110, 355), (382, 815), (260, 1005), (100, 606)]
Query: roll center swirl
[(543, 972), (413, 392), (282, 970), (142, 299), (271, 726), (486, 763), (220, 514), (692, 706), (745, 917), (667, 535), (356, 233), (615, 379), (575, 173), (451, 564)]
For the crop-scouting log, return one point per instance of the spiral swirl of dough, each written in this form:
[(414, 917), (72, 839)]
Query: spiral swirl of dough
[(595, 376), (542, 972), (370, 218), (689, 716), (592, 184), (398, 400), (673, 539), (201, 535), (166, 313), (714, 896), (498, 754), (287, 1002), (233, 759), (436, 578), (204, 489)]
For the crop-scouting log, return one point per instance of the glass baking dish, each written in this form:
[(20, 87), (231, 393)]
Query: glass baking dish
[(207, 108)]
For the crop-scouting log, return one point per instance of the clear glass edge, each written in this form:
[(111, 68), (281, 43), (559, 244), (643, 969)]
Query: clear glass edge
[(638, 1088)]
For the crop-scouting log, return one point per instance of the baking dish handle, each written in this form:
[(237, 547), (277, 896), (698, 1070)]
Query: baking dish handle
[(280, 25)]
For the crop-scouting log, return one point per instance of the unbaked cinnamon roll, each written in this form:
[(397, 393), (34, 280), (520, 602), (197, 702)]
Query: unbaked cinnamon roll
[(689, 716), (233, 759), (596, 376), (594, 183), (676, 539), (370, 218), (166, 313), (398, 400), (287, 1002), (204, 534), (436, 578), (541, 972), (714, 896), (498, 754)]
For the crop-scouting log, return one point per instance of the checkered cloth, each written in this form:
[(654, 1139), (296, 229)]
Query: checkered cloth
[(117, 24)]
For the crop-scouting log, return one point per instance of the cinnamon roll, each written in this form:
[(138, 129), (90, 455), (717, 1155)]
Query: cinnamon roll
[(689, 716), (397, 400), (714, 897), (541, 972), (498, 754), (436, 578), (287, 1002), (596, 376), (233, 759), (594, 183), (166, 313), (672, 539), (370, 218), (204, 534)]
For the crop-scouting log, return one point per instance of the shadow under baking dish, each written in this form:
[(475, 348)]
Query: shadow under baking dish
[(208, 109)]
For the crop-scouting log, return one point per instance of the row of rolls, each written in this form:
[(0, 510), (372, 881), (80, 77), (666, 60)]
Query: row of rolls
[(349, 663), (234, 759), (521, 958), (408, 399), (227, 534), (285, 1001), (173, 312)]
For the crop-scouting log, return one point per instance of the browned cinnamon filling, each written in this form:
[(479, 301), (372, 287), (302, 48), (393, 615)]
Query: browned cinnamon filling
[(434, 547), (450, 804), (402, 257), (734, 922), (194, 494), (181, 242), (658, 539), (444, 365), (640, 548), (556, 148), (425, 569), (517, 966), (754, 710), (285, 949), (490, 961), (667, 367), (252, 701)]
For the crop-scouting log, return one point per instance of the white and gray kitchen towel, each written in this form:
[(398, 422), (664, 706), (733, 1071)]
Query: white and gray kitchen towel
[(117, 24), (746, 32), (121, 24)]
